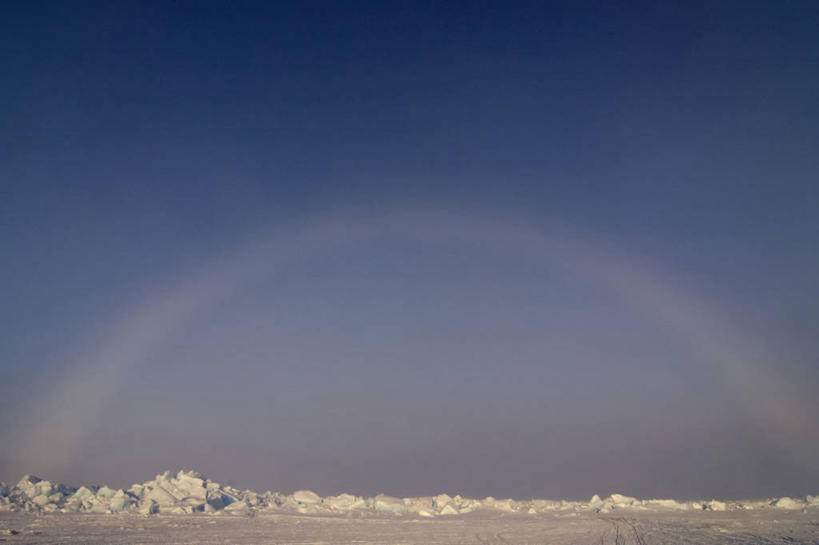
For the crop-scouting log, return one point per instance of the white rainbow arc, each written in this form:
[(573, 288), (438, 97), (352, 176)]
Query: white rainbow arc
[(50, 440)]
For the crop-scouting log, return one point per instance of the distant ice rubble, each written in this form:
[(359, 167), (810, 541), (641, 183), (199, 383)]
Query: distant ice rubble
[(190, 492)]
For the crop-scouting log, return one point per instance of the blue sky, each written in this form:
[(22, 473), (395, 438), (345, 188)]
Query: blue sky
[(142, 143)]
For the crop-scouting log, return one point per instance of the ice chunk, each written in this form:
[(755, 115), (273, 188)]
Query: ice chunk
[(83, 493), (788, 503), (57, 498), (449, 509), (416, 505), (468, 505), (389, 504), (148, 507), (507, 505), (306, 497), (41, 500), (190, 484), (619, 500), (595, 502), (97, 507), (191, 475), (120, 501), (344, 502), (32, 486), (251, 498), (27, 482), (238, 507), (667, 504), (160, 496), (441, 500), (308, 509), (216, 499), (106, 493), (715, 505)]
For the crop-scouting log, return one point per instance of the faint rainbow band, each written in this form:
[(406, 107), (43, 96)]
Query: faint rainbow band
[(51, 439)]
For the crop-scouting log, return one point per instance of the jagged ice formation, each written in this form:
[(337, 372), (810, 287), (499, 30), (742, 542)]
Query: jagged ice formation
[(191, 492)]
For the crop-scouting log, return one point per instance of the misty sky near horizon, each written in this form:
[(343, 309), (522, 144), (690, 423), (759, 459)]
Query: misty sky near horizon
[(146, 146)]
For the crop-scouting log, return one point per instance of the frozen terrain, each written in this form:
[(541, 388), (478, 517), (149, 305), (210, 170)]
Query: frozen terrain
[(486, 527), (187, 508)]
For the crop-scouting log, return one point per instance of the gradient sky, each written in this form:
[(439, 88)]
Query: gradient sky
[(578, 184)]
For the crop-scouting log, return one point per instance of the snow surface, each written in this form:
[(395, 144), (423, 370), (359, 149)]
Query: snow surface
[(477, 528), (186, 492)]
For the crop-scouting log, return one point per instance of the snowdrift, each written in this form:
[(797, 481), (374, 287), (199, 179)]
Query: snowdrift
[(191, 492)]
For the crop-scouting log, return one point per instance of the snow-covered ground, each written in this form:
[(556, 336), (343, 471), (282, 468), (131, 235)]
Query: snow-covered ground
[(185, 507), (652, 528)]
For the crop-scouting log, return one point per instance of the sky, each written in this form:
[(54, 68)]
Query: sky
[(523, 249)]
